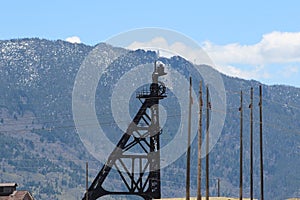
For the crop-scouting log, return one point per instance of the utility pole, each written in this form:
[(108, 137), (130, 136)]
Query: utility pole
[(87, 180), (241, 147), (199, 142), (188, 157), (218, 187), (207, 142), (251, 143), (261, 145)]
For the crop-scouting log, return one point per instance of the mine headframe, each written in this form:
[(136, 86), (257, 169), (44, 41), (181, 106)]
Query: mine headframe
[(142, 177)]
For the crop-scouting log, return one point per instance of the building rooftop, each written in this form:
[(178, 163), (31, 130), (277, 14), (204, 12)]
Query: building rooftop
[(18, 195), (8, 191), (8, 184)]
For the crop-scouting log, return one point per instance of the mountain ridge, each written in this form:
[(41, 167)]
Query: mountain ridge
[(40, 116)]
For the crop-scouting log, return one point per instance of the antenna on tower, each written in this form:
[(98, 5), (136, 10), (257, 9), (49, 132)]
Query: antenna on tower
[(157, 57), (158, 54)]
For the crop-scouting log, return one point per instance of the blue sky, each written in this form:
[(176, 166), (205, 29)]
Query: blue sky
[(225, 29)]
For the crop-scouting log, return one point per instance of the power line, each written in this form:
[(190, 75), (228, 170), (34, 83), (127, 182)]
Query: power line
[(273, 125)]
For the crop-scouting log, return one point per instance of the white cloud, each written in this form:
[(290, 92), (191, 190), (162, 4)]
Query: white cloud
[(275, 47), (281, 48), (73, 39), (195, 55), (255, 61)]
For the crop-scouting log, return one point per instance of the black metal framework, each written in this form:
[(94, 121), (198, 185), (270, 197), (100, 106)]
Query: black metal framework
[(142, 177)]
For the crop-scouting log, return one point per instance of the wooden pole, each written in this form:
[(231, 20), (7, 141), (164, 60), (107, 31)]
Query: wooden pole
[(207, 142), (241, 147), (251, 144), (199, 196), (87, 180), (218, 187), (188, 157), (261, 145)]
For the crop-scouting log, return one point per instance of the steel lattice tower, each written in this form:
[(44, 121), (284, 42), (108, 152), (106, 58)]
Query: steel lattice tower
[(143, 132)]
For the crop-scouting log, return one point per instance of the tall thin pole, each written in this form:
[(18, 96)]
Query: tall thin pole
[(261, 145), (188, 158), (87, 180), (241, 147), (251, 144), (199, 142), (207, 142), (218, 187)]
